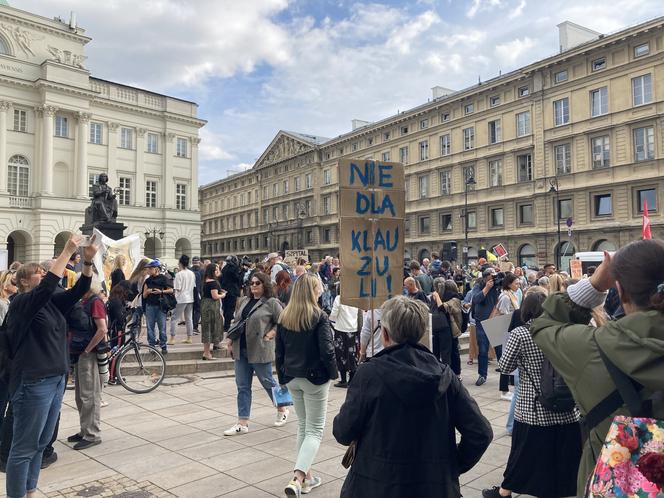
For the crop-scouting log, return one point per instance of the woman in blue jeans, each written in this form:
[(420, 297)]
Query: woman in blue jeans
[(37, 332), (253, 351)]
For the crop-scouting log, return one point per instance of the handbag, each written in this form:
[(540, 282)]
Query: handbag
[(236, 330), (631, 462), (167, 302), (349, 456)]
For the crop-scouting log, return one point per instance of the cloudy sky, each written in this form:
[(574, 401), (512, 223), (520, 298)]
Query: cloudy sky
[(257, 66)]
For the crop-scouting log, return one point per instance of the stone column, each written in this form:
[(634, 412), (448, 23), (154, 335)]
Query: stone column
[(4, 108), (168, 189), (194, 173), (82, 157), (139, 198), (47, 150)]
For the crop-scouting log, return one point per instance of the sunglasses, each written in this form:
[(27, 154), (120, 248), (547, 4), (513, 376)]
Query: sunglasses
[(255, 283)]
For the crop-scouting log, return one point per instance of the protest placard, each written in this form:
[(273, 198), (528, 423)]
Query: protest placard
[(291, 256), (371, 241), (576, 269)]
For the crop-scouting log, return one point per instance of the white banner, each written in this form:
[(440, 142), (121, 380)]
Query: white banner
[(109, 249)]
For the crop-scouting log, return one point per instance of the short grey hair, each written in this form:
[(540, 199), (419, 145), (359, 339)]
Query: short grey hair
[(439, 285), (404, 319)]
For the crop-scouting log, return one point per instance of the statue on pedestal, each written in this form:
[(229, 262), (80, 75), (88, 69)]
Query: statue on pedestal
[(104, 206)]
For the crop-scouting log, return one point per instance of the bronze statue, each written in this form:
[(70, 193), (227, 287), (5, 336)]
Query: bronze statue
[(104, 206)]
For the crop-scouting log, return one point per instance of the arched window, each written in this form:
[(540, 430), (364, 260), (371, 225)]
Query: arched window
[(527, 255), (5, 49), (565, 252), (18, 176), (604, 245)]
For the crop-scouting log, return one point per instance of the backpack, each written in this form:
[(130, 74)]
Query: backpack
[(81, 326), (554, 395), (290, 271), (7, 353)]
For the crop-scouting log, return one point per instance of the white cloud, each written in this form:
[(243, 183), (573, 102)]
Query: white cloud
[(482, 5), (211, 147), (518, 10), (511, 52)]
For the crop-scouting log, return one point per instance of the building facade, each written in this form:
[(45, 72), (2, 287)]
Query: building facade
[(60, 128), (554, 158)]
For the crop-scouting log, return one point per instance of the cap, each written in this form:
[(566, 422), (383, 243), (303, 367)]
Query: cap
[(481, 261), (195, 259), (155, 263)]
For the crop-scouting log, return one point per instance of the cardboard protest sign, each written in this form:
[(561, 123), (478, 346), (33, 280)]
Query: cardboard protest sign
[(500, 251), (372, 209), (576, 269), (291, 256)]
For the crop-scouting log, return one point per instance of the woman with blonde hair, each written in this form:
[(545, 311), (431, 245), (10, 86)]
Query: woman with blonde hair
[(7, 289), (556, 283), (305, 362), (118, 275)]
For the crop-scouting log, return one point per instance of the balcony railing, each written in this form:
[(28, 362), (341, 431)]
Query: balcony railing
[(20, 202)]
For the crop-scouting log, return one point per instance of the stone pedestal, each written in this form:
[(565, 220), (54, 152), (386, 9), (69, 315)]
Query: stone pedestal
[(112, 230)]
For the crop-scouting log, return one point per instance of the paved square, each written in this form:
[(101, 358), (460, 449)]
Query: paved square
[(170, 443)]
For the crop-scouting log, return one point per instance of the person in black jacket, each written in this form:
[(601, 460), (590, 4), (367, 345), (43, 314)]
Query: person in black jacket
[(37, 332), (305, 361), (231, 281), (402, 410)]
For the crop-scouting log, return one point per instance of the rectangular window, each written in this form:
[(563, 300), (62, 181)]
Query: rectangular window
[(445, 145), (425, 225), (445, 117), (495, 173), (284, 210), (309, 236), (469, 138), (472, 220), (327, 177), (601, 151), (18, 180), (96, 133), (526, 214), (406, 224), (153, 143), (403, 155), (275, 213), (20, 120), (561, 111), (285, 186), (468, 173), (565, 209), (61, 127), (446, 182), (386, 136), (599, 102), (524, 91), (326, 204), (297, 184), (266, 216), (560, 76), (494, 131), (497, 217), (404, 130), (445, 222), (525, 167), (308, 181), (642, 90), (327, 235), (603, 205), (423, 182), (523, 124), (424, 124), (353, 147), (563, 157), (181, 147), (275, 189), (180, 196), (646, 195), (92, 179), (126, 138), (386, 156), (424, 150), (494, 101), (598, 64), (640, 50), (644, 143), (340, 151), (266, 192), (307, 207), (151, 194), (124, 191), (370, 141), (469, 108)]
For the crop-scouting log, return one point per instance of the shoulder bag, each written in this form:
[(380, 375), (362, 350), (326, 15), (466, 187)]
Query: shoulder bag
[(240, 327)]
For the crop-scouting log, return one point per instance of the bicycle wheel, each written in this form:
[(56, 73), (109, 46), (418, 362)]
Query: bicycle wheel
[(140, 368)]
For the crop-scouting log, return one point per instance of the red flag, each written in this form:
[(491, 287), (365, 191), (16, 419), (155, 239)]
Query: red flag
[(645, 229)]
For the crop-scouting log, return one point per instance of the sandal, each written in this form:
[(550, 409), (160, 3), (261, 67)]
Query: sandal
[(207, 359), (469, 362)]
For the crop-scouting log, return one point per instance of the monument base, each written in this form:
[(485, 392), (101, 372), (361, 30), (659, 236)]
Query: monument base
[(112, 230)]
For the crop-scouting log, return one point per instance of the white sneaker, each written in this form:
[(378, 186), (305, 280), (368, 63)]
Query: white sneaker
[(236, 430), (103, 403), (506, 396), (310, 484), (281, 418), (293, 488)]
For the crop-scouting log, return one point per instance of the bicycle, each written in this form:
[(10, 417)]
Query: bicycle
[(139, 368)]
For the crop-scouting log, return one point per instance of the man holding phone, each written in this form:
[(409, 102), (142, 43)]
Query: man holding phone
[(154, 288)]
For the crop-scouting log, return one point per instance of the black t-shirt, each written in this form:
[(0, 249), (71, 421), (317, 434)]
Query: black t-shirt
[(117, 276), (156, 282), (208, 287)]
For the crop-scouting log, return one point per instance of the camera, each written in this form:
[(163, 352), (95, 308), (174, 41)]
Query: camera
[(498, 279)]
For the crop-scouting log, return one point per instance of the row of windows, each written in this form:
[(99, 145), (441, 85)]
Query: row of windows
[(124, 191), (602, 206), (252, 243)]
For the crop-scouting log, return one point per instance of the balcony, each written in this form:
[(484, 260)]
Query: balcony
[(20, 202)]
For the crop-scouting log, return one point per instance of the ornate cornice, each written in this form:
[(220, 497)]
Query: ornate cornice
[(113, 126), (140, 132), (49, 110), (84, 117), (5, 106)]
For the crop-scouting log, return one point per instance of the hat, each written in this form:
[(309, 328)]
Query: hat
[(155, 263), (195, 259), (272, 255), (481, 261)]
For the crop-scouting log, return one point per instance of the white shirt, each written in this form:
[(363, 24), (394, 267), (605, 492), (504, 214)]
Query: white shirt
[(368, 330), (344, 317), (183, 285)]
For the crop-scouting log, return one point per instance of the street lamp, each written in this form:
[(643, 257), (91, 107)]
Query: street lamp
[(154, 232), (554, 188), (469, 182)]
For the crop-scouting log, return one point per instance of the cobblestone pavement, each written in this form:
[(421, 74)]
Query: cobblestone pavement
[(170, 443)]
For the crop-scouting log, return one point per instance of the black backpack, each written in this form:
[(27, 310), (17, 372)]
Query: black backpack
[(81, 326), (554, 395)]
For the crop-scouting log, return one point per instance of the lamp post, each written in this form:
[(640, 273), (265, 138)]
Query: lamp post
[(469, 182), (554, 188), (154, 232)]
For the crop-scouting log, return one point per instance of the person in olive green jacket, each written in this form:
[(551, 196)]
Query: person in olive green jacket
[(635, 343)]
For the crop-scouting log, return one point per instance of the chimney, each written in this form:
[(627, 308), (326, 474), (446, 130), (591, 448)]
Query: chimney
[(570, 35), (438, 92), (358, 123)]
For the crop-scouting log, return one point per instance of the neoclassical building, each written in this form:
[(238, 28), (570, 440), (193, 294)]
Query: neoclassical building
[(556, 157), (60, 128)]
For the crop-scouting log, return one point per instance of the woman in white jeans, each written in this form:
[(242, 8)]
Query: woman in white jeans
[(305, 361)]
